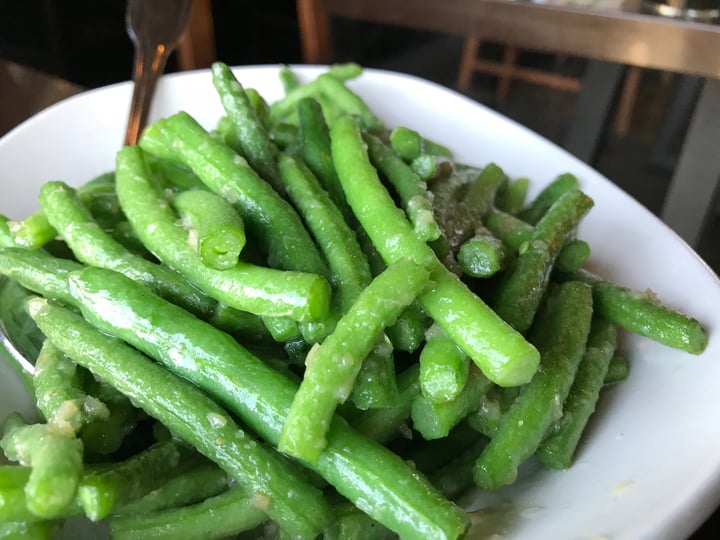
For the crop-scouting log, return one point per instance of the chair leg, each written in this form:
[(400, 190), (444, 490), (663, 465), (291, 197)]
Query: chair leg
[(467, 63), (626, 103), (503, 85)]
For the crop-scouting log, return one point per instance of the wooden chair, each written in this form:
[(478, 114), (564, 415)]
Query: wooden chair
[(197, 48)]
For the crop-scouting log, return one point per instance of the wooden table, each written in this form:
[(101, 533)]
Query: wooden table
[(610, 38)]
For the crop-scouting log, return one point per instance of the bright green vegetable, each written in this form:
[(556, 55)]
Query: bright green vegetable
[(248, 131), (214, 227), (434, 420), (511, 197), (375, 385), (482, 256), (643, 313), (558, 448), (56, 458), (547, 197), (188, 413), (444, 368), (217, 517), (332, 367), (377, 481), (560, 337), (618, 370), (411, 190), (263, 291), (32, 232), (500, 352)]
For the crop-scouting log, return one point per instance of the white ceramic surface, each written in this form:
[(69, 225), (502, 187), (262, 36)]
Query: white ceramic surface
[(650, 466)]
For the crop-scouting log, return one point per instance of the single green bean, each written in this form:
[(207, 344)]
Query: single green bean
[(376, 384), (32, 232), (38, 271), (214, 227), (377, 481), (644, 313), (444, 368), (38, 530), (221, 516), (246, 287), (560, 336), (430, 167), (547, 197), (288, 79), (511, 198), (618, 370), (411, 190), (558, 448), (332, 367), (482, 256), (501, 353), (572, 256), (248, 131)]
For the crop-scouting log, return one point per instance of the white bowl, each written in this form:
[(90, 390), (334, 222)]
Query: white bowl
[(650, 464)]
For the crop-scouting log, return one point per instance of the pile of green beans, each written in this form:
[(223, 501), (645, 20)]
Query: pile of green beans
[(301, 324)]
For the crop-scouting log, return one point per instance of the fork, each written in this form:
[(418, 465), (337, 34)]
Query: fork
[(155, 28)]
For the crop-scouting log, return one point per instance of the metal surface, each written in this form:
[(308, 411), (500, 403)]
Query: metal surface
[(621, 36), (155, 27)]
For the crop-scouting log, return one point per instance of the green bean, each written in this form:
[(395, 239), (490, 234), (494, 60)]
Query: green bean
[(444, 368), (267, 216), (124, 235), (502, 354), (284, 135), (188, 413), (246, 287), (408, 332), (332, 367), (375, 385), (32, 232), (377, 481), (39, 530), (431, 167), (94, 247), (39, 272), (618, 370), (572, 256), (248, 131), (6, 237), (13, 507), (285, 107), (218, 517), (191, 487), (547, 197), (481, 192), (281, 329), (456, 477), (352, 524), (315, 150), (409, 144), (521, 290), (495, 403), (59, 393), (558, 448), (643, 312), (511, 230), (434, 420), (482, 256), (213, 226), (56, 459), (175, 176), (410, 189), (288, 79), (383, 424), (560, 336), (511, 197), (260, 106), (349, 269)]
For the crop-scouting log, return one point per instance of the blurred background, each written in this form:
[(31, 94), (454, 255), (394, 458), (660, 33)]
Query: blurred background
[(84, 42)]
